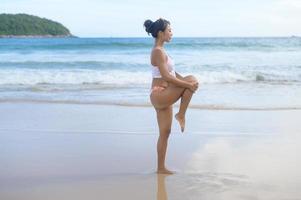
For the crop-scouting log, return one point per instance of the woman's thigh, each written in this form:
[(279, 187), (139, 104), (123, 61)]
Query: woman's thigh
[(170, 95), (167, 97)]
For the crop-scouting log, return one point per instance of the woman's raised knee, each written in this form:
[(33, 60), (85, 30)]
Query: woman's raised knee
[(191, 78)]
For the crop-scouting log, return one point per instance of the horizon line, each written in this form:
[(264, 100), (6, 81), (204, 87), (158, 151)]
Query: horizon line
[(290, 36)]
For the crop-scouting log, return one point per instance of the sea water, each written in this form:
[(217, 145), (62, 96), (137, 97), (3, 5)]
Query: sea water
[(234, 73)]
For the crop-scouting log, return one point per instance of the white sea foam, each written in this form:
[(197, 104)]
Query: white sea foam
[(34, 77), (123, 77)]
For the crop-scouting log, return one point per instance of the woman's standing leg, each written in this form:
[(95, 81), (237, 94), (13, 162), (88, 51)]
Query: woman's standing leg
[(164, 118)]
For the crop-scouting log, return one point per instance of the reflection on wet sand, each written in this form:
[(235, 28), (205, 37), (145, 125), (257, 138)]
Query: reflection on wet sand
[(161, 187), (235, 168), (203, 185), (260, 168)]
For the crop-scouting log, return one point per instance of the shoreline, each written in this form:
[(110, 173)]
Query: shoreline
[(148, 105), (46, 116)]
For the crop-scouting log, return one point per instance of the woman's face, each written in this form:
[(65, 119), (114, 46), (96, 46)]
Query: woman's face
[(167, 34)]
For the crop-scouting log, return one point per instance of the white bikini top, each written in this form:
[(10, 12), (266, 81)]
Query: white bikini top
[(156, 72)]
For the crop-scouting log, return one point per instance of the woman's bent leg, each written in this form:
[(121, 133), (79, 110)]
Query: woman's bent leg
[(171, 95), (164, 118), (185, 100)]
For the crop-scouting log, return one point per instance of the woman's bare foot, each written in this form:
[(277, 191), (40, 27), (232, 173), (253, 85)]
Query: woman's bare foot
[(164, 171), (181, 121)]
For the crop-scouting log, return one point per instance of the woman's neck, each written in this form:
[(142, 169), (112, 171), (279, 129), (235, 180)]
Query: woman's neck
[(159, 43)]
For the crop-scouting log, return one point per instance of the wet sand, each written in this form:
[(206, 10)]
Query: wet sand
[(68, 151)]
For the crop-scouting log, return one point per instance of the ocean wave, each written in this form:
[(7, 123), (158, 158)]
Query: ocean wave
[(103, 65), (77, 76), (104, 44), (122, 78), (73, 44)]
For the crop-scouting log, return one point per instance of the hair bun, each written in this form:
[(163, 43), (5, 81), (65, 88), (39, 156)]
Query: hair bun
[(148, 25)]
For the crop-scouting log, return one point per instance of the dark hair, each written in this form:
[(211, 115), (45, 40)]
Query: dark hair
[(155, 27)]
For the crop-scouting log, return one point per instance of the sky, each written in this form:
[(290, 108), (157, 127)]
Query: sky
[(189, 18)]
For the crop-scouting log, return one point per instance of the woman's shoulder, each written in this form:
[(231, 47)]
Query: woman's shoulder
[(158, 52)]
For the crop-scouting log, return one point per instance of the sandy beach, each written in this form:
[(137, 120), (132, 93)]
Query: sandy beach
[(73, 151)]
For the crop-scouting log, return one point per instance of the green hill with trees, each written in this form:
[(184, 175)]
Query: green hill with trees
[(23, 25)]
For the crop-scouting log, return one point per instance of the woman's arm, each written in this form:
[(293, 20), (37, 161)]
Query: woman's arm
[(179, 76)]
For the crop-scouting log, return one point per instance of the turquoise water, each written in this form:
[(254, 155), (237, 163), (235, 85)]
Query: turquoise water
[(235, 73)]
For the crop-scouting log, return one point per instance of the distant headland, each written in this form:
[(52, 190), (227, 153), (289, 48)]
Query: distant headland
[(29, 26)]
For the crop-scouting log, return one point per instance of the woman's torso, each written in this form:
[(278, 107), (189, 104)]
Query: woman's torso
[(157, 78)]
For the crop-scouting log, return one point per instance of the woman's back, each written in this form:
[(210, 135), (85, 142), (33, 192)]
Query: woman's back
[(170, 67)]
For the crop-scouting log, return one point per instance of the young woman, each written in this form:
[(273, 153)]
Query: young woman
[(168, 87)]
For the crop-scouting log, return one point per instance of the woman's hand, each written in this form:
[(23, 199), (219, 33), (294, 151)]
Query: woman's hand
[(194, 86)]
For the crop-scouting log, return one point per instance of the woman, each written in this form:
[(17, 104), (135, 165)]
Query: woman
[(167, 87)]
